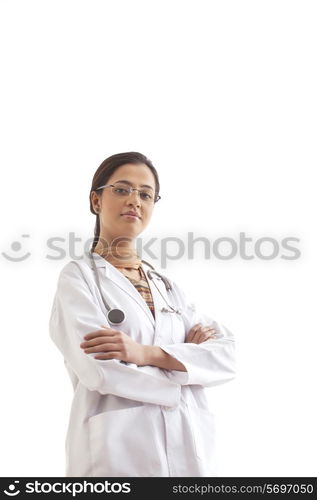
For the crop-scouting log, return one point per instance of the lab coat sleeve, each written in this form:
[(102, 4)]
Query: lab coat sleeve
[(75, 313), (208, 364)]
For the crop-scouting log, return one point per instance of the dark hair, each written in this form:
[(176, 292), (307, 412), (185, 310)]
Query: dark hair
[(105, 171)]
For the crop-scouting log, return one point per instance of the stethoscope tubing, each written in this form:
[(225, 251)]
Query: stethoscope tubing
[(117, 316)]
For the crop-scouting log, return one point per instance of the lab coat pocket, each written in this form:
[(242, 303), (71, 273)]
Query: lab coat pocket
[(122, 443), (203, 429)]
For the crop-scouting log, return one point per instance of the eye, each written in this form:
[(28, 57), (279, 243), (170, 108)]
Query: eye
[(120, 190), (145, 196)]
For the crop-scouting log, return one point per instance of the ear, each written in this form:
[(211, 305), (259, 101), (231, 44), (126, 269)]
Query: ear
[(95, 201)]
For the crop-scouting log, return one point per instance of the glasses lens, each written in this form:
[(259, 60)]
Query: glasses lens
[(121, 190), (146, 196)]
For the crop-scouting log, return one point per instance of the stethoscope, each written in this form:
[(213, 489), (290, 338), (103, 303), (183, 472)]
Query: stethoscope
[(117, 316)]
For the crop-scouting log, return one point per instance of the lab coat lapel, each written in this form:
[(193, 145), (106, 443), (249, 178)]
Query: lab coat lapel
[(158, 304), (114, 275)]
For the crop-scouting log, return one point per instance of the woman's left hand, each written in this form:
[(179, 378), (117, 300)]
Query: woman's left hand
[(113, 344), (199, 333)]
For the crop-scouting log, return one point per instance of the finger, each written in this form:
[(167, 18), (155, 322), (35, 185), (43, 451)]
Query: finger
[(200, 328), (212, 333), (108, 355), (195, 337), (100, 333), (206, 328), (202, 334), (206, 333), (102, 348), (99, 340), (197, 326), (192, 332), (210, 336), (189, 337)]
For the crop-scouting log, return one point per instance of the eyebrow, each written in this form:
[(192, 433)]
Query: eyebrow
[(131, 184)]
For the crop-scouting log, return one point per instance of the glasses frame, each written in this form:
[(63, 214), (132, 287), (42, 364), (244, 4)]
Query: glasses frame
[(130, 189)]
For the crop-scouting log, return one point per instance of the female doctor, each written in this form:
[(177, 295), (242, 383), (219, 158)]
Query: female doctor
[(138, 354)]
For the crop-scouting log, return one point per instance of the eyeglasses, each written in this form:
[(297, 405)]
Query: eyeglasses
[(123, 191)]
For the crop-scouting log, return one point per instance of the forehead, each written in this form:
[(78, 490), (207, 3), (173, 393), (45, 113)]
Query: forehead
[(137, 174)]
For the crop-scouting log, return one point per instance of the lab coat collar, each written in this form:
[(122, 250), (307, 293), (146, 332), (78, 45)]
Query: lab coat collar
[(100, 261)]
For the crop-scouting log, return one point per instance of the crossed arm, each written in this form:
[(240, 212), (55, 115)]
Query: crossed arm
[(115, 344)]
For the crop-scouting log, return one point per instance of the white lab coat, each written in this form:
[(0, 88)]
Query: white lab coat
[(128, 420)]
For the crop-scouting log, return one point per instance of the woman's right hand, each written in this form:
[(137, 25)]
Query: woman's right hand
[(199, 333)]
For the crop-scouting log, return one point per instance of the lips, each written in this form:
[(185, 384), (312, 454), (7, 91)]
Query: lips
[(132, 213)]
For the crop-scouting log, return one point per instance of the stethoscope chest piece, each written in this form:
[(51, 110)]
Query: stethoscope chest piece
[(116, 316)]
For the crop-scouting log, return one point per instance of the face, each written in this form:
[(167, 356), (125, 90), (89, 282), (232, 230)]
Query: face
[(113, 224)]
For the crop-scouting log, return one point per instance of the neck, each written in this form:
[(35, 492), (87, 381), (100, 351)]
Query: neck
[(123, 243), (119, 255)]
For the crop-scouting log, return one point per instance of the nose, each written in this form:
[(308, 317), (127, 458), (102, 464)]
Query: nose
[(134, 199)]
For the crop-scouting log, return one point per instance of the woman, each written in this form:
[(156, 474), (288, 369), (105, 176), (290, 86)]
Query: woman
[(139, 406)]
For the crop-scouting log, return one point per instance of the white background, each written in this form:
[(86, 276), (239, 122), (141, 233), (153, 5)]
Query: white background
[(221, 96)]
